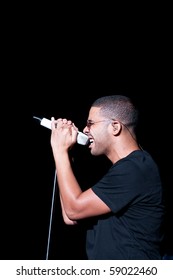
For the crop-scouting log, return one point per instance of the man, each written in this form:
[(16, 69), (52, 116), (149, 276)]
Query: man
[(125, 206)]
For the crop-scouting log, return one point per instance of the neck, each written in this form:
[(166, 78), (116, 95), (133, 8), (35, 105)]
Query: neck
[(123, 151)]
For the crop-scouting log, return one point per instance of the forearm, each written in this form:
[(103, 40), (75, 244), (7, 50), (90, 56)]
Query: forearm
[(63, 137), (65, 217), (68, 186)]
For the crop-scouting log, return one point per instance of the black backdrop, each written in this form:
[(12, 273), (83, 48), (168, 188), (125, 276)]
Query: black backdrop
[(27, 190), (56, 65)]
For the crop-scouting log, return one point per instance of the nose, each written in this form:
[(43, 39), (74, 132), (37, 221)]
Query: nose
[(86, 129)]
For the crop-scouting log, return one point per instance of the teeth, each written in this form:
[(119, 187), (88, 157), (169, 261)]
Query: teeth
[(91, 141)]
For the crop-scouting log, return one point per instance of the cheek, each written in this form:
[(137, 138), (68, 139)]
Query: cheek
[(101, 136)]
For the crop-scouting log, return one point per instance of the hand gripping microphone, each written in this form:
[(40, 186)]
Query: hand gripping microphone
[(82, 138)]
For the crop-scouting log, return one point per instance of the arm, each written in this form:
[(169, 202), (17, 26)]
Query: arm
[(65, 217), (76, 204)]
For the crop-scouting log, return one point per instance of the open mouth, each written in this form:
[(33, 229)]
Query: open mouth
[(91, 141)]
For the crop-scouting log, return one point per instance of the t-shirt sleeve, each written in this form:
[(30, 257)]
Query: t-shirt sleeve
[(120, 186)]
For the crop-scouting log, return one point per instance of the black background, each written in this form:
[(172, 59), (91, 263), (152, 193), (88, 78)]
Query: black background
[(29, 180), (59, 72)]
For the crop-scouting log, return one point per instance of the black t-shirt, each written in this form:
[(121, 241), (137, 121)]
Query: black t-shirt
[(132, 189)]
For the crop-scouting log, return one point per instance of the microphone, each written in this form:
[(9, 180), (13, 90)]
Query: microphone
[(82, 138)]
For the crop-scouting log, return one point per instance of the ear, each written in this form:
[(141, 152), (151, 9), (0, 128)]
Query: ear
[(116, 126)]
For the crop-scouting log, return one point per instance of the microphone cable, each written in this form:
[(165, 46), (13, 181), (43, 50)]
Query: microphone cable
[(51, 215)]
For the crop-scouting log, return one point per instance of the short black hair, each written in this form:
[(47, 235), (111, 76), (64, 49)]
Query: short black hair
[(118, 107)]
